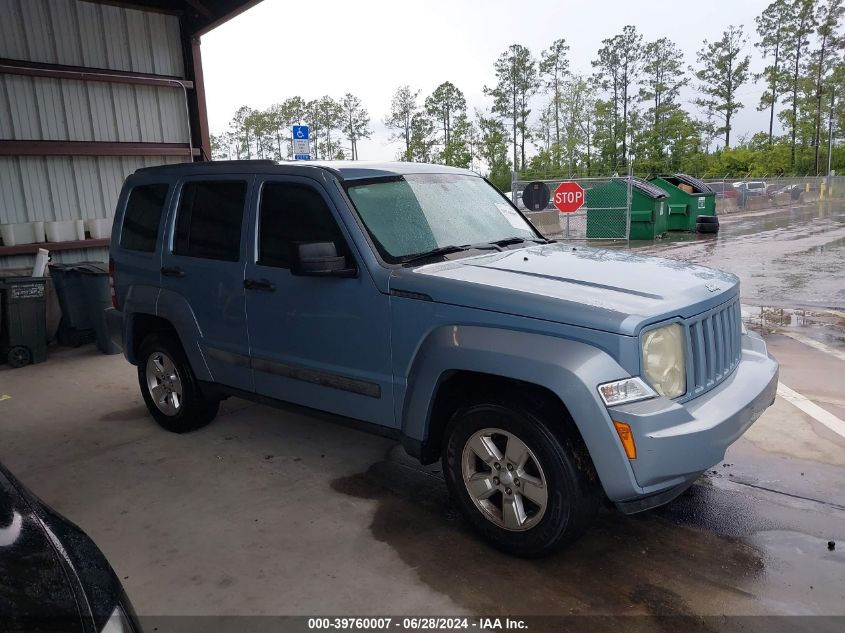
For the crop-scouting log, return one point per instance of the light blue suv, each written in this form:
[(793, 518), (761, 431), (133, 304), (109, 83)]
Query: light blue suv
[(417, 301)]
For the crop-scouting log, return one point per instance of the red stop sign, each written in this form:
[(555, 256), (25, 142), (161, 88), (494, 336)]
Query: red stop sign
[(568, 197)]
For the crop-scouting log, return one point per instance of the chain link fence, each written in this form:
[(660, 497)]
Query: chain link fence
[(605, 214), (738, 194)]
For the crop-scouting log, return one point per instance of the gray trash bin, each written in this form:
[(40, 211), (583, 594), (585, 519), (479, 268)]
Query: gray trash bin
[(75, 327), (94, 277)]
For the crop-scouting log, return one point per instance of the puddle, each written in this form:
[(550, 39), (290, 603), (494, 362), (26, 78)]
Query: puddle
[(639, 565)]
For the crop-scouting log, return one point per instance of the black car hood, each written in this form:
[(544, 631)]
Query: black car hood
[(34, 588), (52, 576)]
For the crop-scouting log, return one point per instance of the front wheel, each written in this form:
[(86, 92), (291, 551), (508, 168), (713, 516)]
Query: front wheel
[(519, 485), (169, 387)]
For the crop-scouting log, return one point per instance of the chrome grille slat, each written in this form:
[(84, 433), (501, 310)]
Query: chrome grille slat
[(715, 345)]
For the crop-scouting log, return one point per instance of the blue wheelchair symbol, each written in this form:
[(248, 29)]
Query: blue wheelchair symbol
[(300, 132)]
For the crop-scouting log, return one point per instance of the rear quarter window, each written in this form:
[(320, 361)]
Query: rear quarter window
[(142, 218)]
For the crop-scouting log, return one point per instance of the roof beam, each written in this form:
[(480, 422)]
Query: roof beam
[(79, 73), (94, 148)]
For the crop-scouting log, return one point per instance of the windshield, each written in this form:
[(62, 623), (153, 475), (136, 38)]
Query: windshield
[(418, 213)]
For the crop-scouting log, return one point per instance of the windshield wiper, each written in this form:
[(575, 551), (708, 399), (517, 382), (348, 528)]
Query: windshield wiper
[(442, 250), (519, 240), (452, 248)]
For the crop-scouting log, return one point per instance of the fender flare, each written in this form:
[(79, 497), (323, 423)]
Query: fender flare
[(175, 309), (569, 369)]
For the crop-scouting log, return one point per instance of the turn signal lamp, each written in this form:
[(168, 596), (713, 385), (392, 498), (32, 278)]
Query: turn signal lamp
[(627, 438)]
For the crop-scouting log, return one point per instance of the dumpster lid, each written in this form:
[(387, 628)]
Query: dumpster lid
[(648, 189), (692, 181)]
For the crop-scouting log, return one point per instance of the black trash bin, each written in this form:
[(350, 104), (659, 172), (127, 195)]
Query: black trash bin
[(97, 293), (23, 320), (76, 327)]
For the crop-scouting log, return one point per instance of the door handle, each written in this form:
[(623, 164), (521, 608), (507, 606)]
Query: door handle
[(172, 271), (259, 284)]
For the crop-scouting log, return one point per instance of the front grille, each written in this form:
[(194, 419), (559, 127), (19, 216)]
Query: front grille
[(715, 347)]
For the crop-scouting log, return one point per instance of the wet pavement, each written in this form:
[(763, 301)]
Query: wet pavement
[(266, 512), (785, 257)]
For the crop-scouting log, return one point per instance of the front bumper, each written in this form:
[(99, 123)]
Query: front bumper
[(677, 442)]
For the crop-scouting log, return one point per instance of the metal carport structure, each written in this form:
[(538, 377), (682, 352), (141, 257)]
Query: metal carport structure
[(90, 90)]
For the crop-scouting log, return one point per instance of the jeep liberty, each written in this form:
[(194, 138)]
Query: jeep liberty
[(416, 301)]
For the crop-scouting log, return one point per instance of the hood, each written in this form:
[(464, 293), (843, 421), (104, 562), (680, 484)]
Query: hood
[(610, 290), (34, 589), (52, 572)]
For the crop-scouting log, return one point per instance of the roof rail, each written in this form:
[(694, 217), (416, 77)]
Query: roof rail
[(207, 163)]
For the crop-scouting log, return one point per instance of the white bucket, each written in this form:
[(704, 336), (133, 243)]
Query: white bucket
[(22, 233), (100, 228), (64, 231)]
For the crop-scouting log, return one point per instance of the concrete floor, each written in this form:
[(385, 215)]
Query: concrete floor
[(268, 512)]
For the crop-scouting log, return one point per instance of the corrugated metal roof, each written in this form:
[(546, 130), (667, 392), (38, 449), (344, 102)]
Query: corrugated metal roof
[(51, 188), (77, 33), (39, 108)]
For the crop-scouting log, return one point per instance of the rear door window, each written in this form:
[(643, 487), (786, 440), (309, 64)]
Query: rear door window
[(143, 217), (208, 224)]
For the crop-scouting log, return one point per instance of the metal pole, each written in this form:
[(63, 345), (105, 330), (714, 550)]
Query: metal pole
[(830, 132), (628, 201)]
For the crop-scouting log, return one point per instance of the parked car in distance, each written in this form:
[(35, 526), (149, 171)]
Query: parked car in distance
[(755, 188), (724, 189), (52, 576), (418, 302), (794, 191)]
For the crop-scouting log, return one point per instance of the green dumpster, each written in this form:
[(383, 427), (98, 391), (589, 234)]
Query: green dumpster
[(689, 198), (606, 210)]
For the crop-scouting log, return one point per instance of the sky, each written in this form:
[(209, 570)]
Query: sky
[(281, 48)]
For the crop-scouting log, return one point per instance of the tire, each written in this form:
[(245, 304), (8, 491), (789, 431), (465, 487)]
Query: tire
[(161, 361), (707, 219), (19, 356), (706, 228), (572, 494)]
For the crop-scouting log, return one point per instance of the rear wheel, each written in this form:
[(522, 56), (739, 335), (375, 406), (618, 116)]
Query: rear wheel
[(170, 390), (522, 487)]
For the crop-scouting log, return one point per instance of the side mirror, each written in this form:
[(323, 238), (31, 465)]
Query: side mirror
[(320, 259)]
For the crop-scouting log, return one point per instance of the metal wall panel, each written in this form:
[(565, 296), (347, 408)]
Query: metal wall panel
[(95, 36), (78, 33), (51, 188), (41, 109)]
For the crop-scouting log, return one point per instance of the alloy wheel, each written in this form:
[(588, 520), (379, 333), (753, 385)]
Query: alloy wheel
[(504, 479), (164, 383)]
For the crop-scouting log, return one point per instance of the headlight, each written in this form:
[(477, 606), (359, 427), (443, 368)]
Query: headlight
[(663, 360)]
